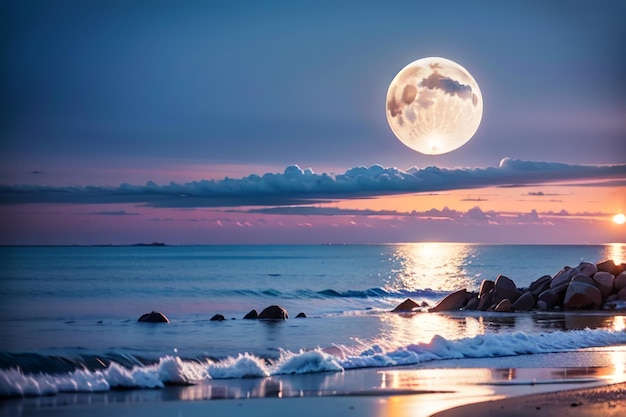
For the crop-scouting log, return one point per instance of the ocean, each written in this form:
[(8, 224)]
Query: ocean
[(68, 315)]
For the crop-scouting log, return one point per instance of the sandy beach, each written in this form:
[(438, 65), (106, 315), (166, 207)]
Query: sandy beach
[(605, 401)]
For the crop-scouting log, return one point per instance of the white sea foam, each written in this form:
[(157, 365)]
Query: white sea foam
[(174, 370), (306, 362), (243, 366)]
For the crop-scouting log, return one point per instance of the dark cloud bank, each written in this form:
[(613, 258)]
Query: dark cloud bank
[(298, 187)]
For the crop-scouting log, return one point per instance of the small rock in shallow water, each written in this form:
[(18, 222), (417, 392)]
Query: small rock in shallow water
[(274, 312), (153, 317), (218, 317), (251, 315), (407, 306)]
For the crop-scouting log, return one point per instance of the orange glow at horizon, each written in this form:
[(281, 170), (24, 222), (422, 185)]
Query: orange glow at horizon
[(588, 201)]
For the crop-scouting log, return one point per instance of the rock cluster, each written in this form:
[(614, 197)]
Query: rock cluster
[(587, 286), (273, 312)]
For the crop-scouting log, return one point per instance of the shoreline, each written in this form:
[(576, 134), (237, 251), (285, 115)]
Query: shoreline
[(394, 391), (606, 400)]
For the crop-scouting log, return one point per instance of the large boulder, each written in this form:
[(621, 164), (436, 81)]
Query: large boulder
[(274, 313), (504, 288), (540, 285), (582, 278), (504, 306), (580, 295), (548, 300), (607, 266), (472, 303), (218, 317), (451, 302), (407, 306), (485, 295), (153, 317), (604, 282), (564, 276), (586, 268), (525, 302), (560, 290), (620, 282)]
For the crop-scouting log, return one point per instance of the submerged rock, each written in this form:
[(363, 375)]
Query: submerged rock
[(251, 315), (153, 317), (301, 316), (407, 306), (218, 317), (274, 313)]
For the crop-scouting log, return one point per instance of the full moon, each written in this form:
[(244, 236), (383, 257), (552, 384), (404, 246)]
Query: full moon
[(434, 106)]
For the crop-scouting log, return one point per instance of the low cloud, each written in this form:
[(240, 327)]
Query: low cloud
[(112, 213), (540, 194), (298, 187)]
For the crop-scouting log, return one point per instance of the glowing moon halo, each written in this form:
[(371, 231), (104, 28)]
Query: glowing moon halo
[(434, 106)]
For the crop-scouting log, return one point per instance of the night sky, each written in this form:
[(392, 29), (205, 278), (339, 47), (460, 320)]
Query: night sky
[(109, 106)]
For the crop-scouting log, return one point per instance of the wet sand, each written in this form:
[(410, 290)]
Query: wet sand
[(605, 401)]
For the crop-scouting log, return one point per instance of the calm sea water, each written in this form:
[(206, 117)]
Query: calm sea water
[(69, 308)]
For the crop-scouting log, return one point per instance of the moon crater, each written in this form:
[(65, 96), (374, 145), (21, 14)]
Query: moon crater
[(434, 106)]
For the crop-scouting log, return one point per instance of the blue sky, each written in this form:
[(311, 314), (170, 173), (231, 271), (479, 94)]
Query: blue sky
[(109, 92)]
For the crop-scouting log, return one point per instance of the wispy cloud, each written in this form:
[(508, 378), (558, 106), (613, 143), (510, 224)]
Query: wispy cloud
[(302, 187), (112, 213)]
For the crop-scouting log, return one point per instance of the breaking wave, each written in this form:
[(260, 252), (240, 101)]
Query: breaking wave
[(48, 375)]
